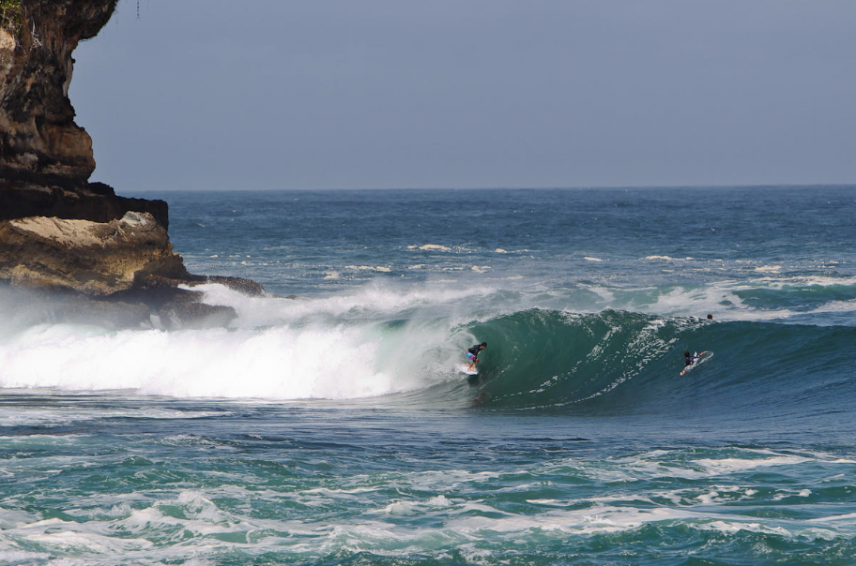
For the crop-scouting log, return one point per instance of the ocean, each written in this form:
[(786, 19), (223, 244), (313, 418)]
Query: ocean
[(329, 423)]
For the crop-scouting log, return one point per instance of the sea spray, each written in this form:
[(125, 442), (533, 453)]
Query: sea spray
[(339, 362)]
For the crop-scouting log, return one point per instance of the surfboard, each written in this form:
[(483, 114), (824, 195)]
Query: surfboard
[(703, 357), (465, 368)]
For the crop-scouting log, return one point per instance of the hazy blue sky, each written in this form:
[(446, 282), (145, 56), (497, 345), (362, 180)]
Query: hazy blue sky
[(277, 94)]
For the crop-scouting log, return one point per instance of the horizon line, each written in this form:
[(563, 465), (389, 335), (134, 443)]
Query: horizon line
[(513, 188)]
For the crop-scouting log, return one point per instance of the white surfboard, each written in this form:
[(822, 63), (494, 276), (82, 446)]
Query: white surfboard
[(465, 368)]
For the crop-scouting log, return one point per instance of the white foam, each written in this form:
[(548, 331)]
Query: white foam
[(781, 495), (430, 248), (281, 349), (847, 517), (835, 307), (10, 519), (37, 416), (187, 524), (67, 536), (378, 268), (280, 363), (804, 281), (708, 498), (407, 508), (737, 465), (722, 298), (373, 301), (733, 527), (597, 520), (650, 466), (23, 557)]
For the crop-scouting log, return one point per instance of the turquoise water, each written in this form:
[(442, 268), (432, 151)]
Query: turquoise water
[(334, 428)]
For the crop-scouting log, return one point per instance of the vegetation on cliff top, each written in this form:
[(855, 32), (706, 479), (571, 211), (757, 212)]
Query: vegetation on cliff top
[(10, 15)]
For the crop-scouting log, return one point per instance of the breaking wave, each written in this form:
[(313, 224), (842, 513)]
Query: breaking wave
[(392, 348)]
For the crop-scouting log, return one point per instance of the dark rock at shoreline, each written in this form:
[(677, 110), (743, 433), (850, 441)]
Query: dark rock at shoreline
[(26, 307), (243, 286), (175, 306), (96, 202)]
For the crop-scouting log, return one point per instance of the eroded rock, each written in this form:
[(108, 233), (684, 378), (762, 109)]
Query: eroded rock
[(93, 258), (98, 253)]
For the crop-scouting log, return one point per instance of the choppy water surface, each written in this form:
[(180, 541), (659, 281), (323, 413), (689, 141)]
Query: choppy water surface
[(334, 428)]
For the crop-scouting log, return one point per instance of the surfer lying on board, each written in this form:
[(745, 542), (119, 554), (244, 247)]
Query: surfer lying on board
[(690, 360), (473, 355)]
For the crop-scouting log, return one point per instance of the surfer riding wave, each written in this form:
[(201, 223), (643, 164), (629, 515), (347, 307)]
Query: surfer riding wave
[(473, 355)]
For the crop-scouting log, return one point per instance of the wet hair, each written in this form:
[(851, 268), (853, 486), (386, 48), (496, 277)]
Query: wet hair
[(687, 353), (710, 317), (484, 344)]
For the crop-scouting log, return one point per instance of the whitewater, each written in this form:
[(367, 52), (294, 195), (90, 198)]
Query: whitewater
[(328, 424)]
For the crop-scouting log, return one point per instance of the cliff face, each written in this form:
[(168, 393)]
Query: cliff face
[(58, 230), (45, 157), (40, 143)]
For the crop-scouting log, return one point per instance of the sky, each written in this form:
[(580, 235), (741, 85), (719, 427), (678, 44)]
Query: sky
[(341, 94)]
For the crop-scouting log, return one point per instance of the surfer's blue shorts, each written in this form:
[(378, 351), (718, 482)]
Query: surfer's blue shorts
[(470, 356)]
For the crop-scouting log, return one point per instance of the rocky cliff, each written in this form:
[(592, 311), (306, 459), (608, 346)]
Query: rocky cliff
[(58, 230), (45, 158)]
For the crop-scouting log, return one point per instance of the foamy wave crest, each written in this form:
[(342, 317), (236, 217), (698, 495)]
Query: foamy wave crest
[(279, 363), (372, 301), (377, 340)]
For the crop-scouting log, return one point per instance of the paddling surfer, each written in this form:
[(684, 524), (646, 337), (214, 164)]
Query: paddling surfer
[(690, 360)]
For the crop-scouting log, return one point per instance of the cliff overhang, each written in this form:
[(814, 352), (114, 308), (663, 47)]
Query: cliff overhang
[(58, 231)]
